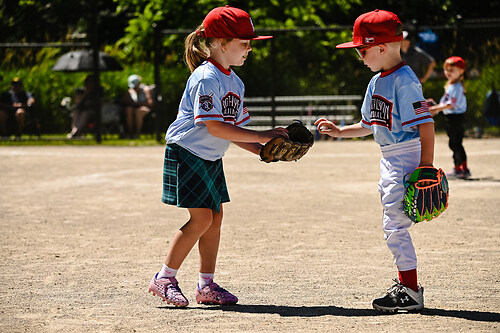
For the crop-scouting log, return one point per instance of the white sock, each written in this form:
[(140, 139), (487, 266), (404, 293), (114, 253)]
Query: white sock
[(166, 272), (205, 279)]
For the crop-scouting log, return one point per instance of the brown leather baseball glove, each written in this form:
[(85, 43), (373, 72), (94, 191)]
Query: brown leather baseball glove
[(292, 149)]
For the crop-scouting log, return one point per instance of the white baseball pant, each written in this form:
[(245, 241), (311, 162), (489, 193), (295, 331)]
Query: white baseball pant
[(397, 161)]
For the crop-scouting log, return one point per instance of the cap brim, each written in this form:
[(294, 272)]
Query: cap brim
[(347, 45), (261, 37)]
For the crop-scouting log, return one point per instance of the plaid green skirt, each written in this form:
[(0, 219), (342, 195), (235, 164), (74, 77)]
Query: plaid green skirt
[(191, 182)]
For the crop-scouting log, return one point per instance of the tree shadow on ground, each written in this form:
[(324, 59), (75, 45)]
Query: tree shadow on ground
[(317, 311)]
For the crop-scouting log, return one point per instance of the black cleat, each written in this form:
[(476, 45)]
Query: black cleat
[(402, 298)]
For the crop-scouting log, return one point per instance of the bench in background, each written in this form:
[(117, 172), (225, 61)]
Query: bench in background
[(342, 109)]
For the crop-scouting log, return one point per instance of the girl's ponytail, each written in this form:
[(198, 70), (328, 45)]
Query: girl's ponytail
[(195, 49)]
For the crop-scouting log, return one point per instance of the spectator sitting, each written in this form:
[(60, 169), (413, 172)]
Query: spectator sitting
[(16, 103), (138, 102), (419, 61), (85, 105)]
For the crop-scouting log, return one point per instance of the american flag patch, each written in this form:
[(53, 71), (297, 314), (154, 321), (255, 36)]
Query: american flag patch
[(420, 107)]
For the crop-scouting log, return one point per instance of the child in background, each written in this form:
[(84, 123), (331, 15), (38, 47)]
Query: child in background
[(210, 116), (453, 104), (395, 112)]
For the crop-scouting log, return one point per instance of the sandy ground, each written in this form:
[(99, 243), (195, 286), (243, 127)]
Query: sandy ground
[(83, 230)]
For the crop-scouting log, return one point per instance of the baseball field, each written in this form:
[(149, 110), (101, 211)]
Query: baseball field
[(83, 230)]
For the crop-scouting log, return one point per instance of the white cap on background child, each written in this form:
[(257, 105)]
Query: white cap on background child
[(134, 80)]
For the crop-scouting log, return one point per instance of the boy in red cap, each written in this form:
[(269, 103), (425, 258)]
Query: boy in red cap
[(210, 116), (453, 104), (395, 112)]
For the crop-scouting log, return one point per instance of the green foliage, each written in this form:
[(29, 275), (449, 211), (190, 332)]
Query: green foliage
[(51, 87), (47, 96), (89, 140), (305, 62), (138, 37)]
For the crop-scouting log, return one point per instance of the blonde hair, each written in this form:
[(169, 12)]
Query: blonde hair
[(450, 63), (195, 48)]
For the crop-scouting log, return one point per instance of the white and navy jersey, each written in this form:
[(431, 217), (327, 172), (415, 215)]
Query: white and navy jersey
[(454, 95), (394, 105), (212, 93)]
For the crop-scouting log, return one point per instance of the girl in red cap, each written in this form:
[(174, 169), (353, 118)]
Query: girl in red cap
[(453, 104), (210, 116)]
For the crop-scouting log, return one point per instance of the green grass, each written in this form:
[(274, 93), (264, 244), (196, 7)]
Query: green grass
[(89, 140)]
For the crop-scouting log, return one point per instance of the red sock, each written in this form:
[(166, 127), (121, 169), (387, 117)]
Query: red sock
[(463, 166), (458, 168), (409, 279)]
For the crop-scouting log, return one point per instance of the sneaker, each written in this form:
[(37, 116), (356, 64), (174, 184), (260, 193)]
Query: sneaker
[(453, 174), (464, 174), (168, 289), (213, 294), (400, 297)]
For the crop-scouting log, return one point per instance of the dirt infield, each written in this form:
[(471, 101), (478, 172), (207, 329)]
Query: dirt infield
[(83, 230)]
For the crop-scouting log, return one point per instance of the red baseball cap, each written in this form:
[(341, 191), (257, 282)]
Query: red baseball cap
[(373, 28), (230, 22), (456, 61)]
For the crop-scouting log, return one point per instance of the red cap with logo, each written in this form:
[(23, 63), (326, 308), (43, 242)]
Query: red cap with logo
[(373, 28), (456, 61), (229, 22)]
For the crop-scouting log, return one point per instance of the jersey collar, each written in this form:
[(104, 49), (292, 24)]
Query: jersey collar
[(219, 66), (392, 70)]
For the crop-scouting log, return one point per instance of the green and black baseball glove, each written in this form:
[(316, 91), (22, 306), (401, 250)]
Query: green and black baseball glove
[(292, 149), (426, 195)]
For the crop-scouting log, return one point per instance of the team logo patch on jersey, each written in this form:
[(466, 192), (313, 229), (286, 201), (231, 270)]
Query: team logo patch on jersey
[(206, 102), (381, 112), (230, 106), (420, 107)]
